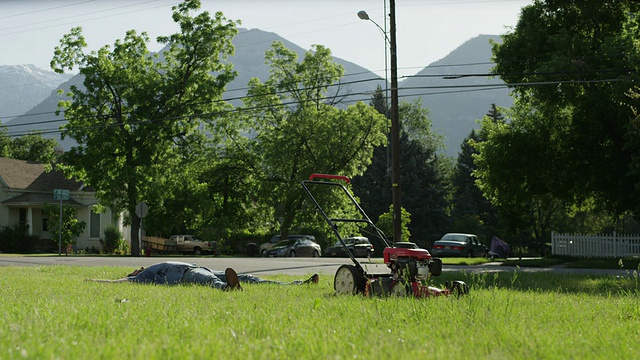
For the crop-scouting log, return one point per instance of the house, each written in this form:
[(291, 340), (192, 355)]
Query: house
[(25, 187)]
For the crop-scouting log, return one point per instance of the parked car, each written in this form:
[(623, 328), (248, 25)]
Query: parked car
[(276, 238), (295, 247), (406, 245), (455, 244), (359, 246)]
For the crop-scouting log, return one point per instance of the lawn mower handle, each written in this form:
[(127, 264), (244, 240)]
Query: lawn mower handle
[(329, 176)]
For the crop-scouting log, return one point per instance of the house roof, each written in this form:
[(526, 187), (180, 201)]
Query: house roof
[(31, 198), (31, 176)]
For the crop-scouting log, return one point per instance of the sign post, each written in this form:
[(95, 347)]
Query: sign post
[(60, 194), (141, 210)]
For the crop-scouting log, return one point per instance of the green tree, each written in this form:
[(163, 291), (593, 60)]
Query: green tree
[(34, 147), (138, 110), (509, 161), (385, 224), (471, 211), (300, 131), (511, 170), (424, 170), (570, 128), (6, 144), (71, 226), (30, 147)]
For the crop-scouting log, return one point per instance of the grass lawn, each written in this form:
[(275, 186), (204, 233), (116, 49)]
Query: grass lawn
[(51, 312), (577, 263)]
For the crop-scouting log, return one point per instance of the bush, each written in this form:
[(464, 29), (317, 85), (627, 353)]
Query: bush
[(15, 239), (113, 241)]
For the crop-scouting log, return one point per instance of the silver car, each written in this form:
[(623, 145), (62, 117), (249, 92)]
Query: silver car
[(457, 244), (294, 248)]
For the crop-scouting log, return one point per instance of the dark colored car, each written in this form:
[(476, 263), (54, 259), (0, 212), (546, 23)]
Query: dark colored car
[(295, 247), (359, 246), (276, 238), (455, 244)]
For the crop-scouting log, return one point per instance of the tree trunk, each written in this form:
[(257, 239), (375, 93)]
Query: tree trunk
[(135, 238)]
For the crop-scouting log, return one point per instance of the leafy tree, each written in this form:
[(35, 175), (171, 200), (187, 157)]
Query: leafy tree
[(508, 173), (30, 147), (385, 224), (424, 170), (137, 110), (299, 131), (471, 211), (570, 134), (71, 226), (34, 147), (6, 144)]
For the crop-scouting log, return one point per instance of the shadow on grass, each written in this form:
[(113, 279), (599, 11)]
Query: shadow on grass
[(576, 263), (598, 285)]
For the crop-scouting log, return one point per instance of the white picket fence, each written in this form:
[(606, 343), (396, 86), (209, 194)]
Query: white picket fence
[(597, 246)]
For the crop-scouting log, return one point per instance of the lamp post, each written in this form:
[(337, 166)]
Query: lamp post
[(364, 16), (395, 123)]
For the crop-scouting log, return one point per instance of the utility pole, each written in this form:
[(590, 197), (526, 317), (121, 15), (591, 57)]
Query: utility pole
[(395, 130)]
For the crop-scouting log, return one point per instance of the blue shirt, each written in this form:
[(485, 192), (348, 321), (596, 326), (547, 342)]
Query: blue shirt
[(169, 272)]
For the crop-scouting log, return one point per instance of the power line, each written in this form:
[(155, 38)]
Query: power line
[(43, 10), (443, 76), (79, 15), (468, 88)]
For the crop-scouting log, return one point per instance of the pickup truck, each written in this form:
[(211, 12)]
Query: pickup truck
[(179, 243)]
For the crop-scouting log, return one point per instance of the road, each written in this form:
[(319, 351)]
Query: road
[(273, 266)]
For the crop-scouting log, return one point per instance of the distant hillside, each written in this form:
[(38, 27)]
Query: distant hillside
[(248, 62), (455, 104), (24, 86)]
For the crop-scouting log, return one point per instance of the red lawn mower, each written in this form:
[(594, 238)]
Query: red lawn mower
[(410, 266)]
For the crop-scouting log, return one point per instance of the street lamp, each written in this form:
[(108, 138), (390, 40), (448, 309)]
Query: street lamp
[(364, 16), (395, 122)]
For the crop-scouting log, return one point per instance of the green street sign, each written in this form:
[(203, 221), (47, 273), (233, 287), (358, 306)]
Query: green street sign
[(60, 194)]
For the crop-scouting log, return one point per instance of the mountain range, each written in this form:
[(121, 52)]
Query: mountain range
[(25, 86), (454, 97)]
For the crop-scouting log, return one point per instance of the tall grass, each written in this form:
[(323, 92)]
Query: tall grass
[(51, 313)]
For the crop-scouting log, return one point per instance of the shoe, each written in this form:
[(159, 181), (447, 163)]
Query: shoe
[(312, 280), (232, 280)]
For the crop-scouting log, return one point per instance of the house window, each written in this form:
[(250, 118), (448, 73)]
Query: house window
[(94, 229), (45, 224)]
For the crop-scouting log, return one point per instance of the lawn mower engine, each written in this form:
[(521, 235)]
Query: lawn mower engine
[(410, 270)]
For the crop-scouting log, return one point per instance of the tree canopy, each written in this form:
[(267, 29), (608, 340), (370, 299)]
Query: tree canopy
[(570, 65), (425, 174), (138, 109), (30, 147), (299, 130)]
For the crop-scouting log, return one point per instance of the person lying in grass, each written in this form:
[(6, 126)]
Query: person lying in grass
[(175, 272)]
